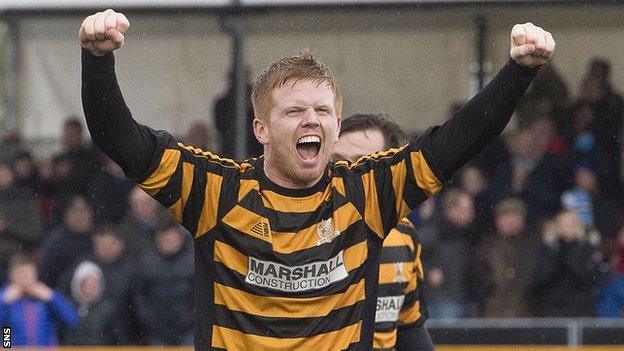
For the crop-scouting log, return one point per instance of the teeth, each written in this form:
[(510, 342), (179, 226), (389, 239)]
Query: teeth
[(309, 139)]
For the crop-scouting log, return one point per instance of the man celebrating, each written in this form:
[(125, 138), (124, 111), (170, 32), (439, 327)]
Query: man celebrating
[(287, 246), (400, 311)]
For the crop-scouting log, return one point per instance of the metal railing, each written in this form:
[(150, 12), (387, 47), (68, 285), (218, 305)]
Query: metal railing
[(572, 332)]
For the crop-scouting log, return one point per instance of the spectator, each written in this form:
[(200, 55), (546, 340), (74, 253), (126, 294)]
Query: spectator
[(165, 288), (26, 174), (99, 317), (31, 308), (139, 225), (108, 192), (567, 271), (67, 243), (225, 121), (595, 122), (82, 157), (119, 269), (446, 248), (20, 218), (61, 187), (503, 266), (473, 182), (537, 178), (611, 296), (547, 96)]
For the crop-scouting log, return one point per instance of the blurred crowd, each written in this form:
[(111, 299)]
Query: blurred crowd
[(533, 227)]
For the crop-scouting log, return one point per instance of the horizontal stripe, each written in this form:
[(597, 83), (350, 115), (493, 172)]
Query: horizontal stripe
[(280, 327), (159, 178), (391, 289), (286, 307), (410, 314), (397, 272), (291, 221), (398, 238), (248, 222), (234, 340), (385, 340), (212, 193), (424, 177), (289, 204), (394, 254), (318, 234), (230, 257)]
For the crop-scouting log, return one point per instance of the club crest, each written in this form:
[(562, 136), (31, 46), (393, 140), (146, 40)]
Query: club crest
[(326, 232)]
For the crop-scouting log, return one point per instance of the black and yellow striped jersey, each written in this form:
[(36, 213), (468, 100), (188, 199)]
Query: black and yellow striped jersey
[(287, 269), (401, 281)]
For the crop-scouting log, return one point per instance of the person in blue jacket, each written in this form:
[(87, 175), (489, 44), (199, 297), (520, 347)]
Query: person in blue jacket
[(30, 308)]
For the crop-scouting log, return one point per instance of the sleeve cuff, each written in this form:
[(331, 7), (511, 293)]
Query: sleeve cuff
[(98, 64)]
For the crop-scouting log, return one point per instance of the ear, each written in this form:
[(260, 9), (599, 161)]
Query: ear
[(261, 131), (339, 121)]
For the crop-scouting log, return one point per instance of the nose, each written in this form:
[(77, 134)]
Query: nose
[(310, 118)]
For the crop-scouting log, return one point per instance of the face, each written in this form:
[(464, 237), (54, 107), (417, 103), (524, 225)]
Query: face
[(91, 288), (143, 206), (72, 137), (23, 167), (79, 216), (24, 275), (570, 226), (6, 177), (353, 145), (300, 133), (473, 180), (170, 241), (462, 214), (510, 223), (108, 248), (586, 179)]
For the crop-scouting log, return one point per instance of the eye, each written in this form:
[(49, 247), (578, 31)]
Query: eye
[(293, 111), (323, 110)]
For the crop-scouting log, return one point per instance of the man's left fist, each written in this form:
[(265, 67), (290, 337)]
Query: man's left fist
[(531, 45)]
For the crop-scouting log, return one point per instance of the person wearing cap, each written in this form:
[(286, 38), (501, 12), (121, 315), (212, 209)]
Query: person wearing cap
[(502, 268)]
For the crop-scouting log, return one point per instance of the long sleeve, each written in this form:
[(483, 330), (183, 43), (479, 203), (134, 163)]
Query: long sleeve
[(397, 180), (64, 313), (479, 121), (112, 128)]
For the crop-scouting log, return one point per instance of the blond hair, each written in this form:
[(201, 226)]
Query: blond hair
[(303, 66)]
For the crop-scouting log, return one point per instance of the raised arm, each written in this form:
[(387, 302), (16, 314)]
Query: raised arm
[(398, 180), (112, 128), (485, 116)]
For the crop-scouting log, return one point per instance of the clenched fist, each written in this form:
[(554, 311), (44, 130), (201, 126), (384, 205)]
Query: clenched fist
[(531, 45), (102, 32)]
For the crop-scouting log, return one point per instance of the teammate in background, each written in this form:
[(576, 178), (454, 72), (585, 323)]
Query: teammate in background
[(31, 308), (401, 309), (287, 246)]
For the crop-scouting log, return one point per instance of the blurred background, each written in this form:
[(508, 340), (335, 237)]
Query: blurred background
[(526, 248)]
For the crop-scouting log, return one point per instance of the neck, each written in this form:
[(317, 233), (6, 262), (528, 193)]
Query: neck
[(282, 180)]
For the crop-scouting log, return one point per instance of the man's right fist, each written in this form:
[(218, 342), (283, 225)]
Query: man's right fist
[(102, 32)]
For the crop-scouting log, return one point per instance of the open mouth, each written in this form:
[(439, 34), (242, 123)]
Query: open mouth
[(308, 147)]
